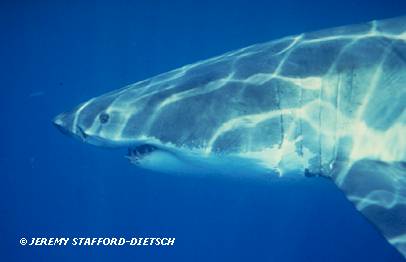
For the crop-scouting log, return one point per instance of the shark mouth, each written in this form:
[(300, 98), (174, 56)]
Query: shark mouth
[(138, 153)]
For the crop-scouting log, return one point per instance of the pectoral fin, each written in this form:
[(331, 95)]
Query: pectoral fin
[(378, 190)]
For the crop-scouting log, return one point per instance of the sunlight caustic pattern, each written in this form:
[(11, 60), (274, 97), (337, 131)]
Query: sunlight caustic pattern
[(192, 82), (328, 103)]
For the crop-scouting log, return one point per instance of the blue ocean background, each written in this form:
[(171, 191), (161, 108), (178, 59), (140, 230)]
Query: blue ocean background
[(57, 54)]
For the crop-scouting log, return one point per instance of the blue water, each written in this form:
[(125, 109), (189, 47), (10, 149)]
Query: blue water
[(56, 54)]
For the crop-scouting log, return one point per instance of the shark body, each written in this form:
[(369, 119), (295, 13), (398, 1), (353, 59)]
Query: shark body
[(328, 103)]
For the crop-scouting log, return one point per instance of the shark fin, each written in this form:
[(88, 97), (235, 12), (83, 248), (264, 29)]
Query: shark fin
[(378, 191)]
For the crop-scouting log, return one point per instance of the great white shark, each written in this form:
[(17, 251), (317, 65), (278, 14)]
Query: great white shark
[(328, 103)]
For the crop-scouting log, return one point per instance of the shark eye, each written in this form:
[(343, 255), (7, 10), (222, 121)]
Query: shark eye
[(104, 118)]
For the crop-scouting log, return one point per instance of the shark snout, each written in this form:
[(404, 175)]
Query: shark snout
[(60, 122), (66, 125)]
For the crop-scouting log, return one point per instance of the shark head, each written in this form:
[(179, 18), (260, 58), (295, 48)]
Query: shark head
[(105, 121), (240, 104), (187, 114)]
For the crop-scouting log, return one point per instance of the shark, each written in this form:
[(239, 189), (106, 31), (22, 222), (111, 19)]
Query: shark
[(327, 103)]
